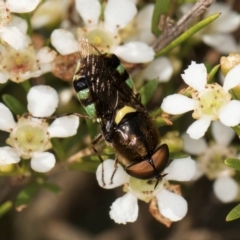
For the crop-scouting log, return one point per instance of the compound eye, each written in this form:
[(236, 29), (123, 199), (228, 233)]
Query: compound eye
[(160, 158), (141, 170), (147, 169)]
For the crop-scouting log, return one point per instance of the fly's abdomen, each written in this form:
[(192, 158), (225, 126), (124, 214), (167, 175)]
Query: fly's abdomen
[(81, 87), (113, 61)]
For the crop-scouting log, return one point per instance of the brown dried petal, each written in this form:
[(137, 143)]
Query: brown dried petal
[(64, 66), (154, 210)]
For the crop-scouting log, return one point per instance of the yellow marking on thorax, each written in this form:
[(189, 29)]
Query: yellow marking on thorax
[(122, 112)]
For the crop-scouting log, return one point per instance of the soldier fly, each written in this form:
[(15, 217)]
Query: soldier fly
[(106, 91)]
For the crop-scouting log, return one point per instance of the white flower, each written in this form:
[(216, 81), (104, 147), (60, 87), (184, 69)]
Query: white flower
[(104, 35), (140, 29), (22, 6), (161, 68), (225, 189), (125, 209), (30, 137), (217, 34), (19, 66), (210, 160), (10, 32), (143, 23), (50, 13), (210, 102)]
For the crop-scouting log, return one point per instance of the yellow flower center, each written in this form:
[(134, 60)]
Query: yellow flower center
[(211, 161), (210, 101), (144, 189), (100, 38), (29, 136), (17, 64)]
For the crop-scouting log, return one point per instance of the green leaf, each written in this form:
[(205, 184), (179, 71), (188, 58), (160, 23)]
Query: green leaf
[(147, 91), (58, 148), (26, 195), (90, 166), (159, 121), (52, 187), (237, 130), (235, 92), (177, 155), (26, 86), (88, 163), (161, 8), (233, 162), (234, 213), (212, 73), (188, 34), (14, 104), (5, 207), (3, 85)]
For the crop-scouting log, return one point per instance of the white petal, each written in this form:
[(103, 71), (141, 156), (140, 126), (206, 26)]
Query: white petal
[(144, 17), (195, 76), (232, 78), (124, 209), (64, 126), (42, 101), (43, 162), (45, 67), (229, 115), (44, 17), (14, 37), (3, 77), (65, 96), (145, 36), (194, 146), (22, 6), (160, 68), (64, 41), (118, 14), (177, 104), (199, 171), (7, 121), (20, 23), (171, 205), (120, 177), (224, 43), (181, 169), (225, 189), (8, 156), (197, 129), (227, 22), (135, 52), (46, 55), (89, 10), (222, 134), (230, 23)]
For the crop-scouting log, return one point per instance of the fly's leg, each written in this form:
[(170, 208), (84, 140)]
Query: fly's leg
[(58, 116), (96, 140), (114, 171)]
